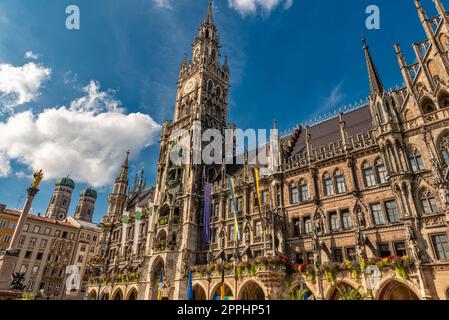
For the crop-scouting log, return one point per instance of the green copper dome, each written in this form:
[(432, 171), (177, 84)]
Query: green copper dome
[(66, 182), (89, 193)]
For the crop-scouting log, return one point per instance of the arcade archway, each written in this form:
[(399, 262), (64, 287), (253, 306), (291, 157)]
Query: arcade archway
[(93, 295), (157, 271), (118, 295), (227, 293), (395, 290), (251, 291), (199, 293), (301, 292), (344, 291), (132, 295)]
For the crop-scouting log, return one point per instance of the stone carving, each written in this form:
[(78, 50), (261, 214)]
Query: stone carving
[(415, 252), (434, 221), (359, 213), (17, 281)]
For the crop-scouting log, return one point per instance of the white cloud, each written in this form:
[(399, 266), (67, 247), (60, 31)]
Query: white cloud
[(245, 7), (163, 4), (335, 97), (31, 55), (96, 101), (5, 167), (19, 85), (86, 141)]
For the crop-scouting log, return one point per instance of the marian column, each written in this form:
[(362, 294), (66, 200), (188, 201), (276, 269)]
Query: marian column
[(11, 285)]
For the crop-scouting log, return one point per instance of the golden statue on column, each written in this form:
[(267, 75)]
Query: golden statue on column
[(38, 176)]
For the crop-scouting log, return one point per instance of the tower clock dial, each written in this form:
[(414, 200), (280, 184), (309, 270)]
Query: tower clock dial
[(189, 86)]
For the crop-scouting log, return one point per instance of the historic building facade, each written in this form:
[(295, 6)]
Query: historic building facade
[(48, 245), (368, 187)]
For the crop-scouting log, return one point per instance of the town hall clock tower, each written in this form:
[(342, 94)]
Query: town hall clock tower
[(175, 234)]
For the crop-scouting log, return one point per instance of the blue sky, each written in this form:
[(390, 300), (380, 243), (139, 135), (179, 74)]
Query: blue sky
[(291, 62)]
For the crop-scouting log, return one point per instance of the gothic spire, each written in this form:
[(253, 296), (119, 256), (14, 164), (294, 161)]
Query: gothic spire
[(124, 169), (421, 12), (208, 19), (440, 8), (374, 77)]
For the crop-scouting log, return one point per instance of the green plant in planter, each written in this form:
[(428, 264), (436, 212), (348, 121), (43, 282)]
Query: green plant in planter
[(330, 271), (163, 221), (299, 294), (349, 293), (27, 296)]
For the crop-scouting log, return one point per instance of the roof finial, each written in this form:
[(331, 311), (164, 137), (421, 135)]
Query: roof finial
[(208, 19), (374, 77)]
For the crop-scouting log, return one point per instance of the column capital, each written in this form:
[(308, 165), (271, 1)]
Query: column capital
[(32, 191)]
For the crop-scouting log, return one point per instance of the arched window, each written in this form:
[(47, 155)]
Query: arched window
[(210, 86), (415, 159), (444, 148), (294, 193), (444, 100), (381, 171), (219, 92), (368, 175), (304, 190), (328, 185), (428, 203), (428, 106), (340, 181)]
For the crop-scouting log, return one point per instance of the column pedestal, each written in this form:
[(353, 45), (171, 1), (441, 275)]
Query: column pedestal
[(7, 266)]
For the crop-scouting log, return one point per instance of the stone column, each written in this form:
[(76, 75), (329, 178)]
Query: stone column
[(23, 216), (10, 285)]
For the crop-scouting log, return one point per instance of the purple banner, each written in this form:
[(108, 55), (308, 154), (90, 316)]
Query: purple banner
[(207, 209)]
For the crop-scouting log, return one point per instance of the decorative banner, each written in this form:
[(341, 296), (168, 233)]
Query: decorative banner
[(222, 289), (137, 218), (125, 221), (160, 286), (259, 201), (207, 196), (189, 287), (236, 225)]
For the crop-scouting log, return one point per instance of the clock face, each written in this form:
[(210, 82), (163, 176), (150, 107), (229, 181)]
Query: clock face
[(190, 85)]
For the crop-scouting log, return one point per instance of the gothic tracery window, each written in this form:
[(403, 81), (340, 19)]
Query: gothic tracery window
[(294, 193), (368, 175), (328, 185), (415, 159), (381, 171), (340, 181), (304, 190), (444, 101), (428, 106), (428, 202)]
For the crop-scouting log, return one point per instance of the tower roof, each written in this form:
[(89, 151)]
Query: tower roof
[(374, 77), (66, 182), (89, 192), (209, 15), (124, 169)]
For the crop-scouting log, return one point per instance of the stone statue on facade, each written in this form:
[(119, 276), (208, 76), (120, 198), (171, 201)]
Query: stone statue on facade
[(415, 252), (360, 216)]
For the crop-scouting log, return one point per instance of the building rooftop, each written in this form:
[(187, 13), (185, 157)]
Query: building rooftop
[(38, 218)]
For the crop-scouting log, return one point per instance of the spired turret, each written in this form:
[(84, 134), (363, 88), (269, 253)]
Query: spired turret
[(86, 205), (60, 200)]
